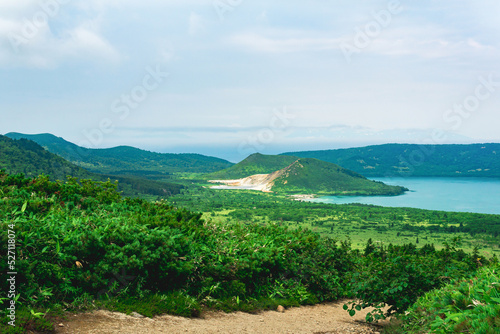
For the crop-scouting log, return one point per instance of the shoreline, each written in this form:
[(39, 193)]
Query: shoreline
[(303, 197)]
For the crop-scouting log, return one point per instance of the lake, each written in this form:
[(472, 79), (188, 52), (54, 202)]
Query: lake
[(481, 195)]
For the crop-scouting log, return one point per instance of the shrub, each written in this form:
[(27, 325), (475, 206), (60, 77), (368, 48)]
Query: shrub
[(463, 306), (396, 276), (81, 238)]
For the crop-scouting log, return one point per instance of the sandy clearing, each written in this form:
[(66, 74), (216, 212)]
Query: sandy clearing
[(321, 318)]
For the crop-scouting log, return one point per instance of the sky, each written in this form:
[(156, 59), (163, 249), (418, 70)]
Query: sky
[(232, 77)]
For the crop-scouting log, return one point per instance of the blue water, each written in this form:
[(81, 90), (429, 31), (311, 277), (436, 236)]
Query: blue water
[(480, 195)]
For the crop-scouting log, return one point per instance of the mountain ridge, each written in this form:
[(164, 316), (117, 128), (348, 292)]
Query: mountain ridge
[(29, 158), (117, 159), (458, 160)]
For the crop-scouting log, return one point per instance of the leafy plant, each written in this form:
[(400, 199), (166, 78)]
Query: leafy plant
[(79, 240), (397, 275), (463, 306)]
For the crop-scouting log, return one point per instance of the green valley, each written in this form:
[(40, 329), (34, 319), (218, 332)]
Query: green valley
[(238, 250), (182, 248)]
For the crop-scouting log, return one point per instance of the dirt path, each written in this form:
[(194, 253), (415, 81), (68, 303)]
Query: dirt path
[(322, 318)]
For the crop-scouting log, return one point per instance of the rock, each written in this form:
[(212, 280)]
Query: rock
[(136, 315), (61, 325), (280, 309)]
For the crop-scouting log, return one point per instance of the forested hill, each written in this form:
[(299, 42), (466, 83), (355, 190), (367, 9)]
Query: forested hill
[(307, 175), (125, 159), (292, 175), (254, 164), (478, 160), (27, 157)]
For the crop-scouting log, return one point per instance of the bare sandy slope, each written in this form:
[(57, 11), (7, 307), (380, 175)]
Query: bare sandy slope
[(262, 182), (323, 318)]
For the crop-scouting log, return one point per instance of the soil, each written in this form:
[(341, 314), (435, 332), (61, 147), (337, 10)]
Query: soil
[(327, 318), (262, 182)]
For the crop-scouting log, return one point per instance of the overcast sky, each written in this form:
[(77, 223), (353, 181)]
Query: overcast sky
[(231, 77)]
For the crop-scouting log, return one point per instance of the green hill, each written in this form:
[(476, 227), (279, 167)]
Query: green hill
[(479, 160), (254, 164), (308, 175), (126, 160), (301, 176), (27, 157)]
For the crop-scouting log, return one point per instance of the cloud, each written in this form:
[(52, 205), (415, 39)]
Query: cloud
[(404, 38), (13, 7), (48, 51), (260, 43), (263, 17), (83, 41), (41, 39), (196, 24), (266, 54), (430, 43)]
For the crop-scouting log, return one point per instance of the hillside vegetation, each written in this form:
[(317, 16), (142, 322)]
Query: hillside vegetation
[(126, 160), (304, 176), (256, 163), (80, 245), (27, 157), (479, 160), (469, 305), (324, 178)]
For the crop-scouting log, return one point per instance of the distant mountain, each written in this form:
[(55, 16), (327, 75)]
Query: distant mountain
[(27, 157), (299, 176), (479, 160), (126, 160)]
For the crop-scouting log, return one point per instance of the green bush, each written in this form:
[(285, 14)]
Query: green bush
[(463, 306), (395, 276), (81, 238)]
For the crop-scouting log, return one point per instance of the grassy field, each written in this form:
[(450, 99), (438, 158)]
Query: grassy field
[(356, 223), (359, 231)]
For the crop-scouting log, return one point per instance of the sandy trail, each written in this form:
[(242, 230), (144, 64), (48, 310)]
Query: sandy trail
[(322, 318)]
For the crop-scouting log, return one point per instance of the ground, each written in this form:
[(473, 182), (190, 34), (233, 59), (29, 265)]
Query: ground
[(327, 318)]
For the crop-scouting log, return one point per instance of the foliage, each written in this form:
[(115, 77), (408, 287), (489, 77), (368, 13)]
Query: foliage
[(177, 302), (416, 160), (117, 160), (463, 306), (397, 275), (27, 157), (82, 245), (31, 321), (254, 164), (393, 224), (306, 176), (81, 238)]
